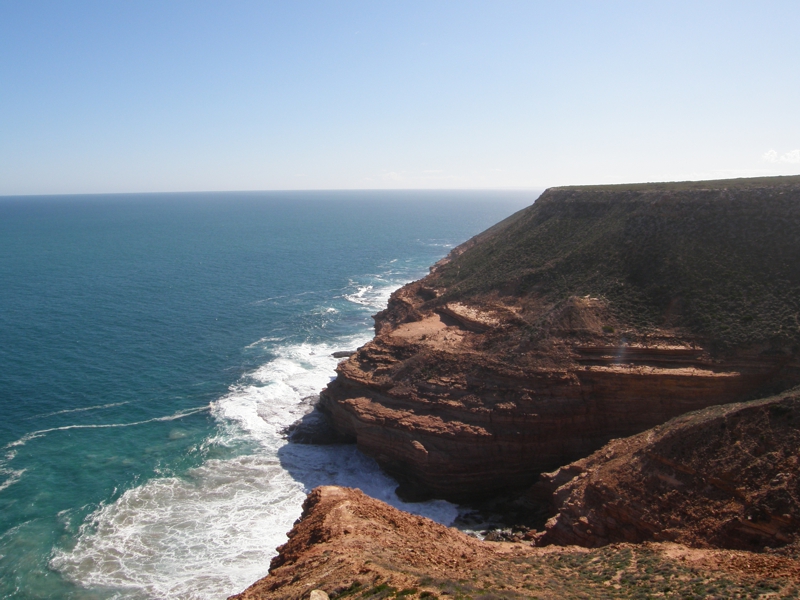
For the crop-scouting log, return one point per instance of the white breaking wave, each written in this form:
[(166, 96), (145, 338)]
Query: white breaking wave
[(269, 399), (374, 297), (212, 533), (205, 536), (262, 341), (12, 476), (37, 434), (75, 410)]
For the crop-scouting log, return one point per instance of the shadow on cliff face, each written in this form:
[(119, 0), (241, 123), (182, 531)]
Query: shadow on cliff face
[(315, 427), (314, 465), (319, 455), (505, 518), (315, 442)]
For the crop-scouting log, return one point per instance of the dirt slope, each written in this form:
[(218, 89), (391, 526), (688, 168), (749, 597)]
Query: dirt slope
[(352, 546), (725, 477)]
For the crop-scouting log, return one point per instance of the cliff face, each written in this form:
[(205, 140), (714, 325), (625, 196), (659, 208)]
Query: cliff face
[(724, 477), (594, 314)]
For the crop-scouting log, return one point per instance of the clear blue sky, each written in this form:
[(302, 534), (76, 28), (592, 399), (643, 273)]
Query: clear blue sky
[(169, 96)]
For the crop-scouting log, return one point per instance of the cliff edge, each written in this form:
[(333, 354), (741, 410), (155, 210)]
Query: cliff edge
[(347, 545)]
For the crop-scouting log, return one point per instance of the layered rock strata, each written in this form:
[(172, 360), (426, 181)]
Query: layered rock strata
[(594, 314), (725, 477)]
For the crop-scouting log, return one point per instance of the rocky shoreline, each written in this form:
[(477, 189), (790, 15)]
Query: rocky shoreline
[(622, 331)]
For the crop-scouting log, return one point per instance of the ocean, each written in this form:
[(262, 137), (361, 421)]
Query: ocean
[(153, 347)]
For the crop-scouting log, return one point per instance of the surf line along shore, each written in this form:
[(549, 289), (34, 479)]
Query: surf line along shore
[(595, 314)]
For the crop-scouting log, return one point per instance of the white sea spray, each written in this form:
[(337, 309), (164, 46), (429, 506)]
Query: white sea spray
[(212, 532)]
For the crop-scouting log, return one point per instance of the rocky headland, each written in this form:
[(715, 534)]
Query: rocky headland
[(594, 314), (598, 356)]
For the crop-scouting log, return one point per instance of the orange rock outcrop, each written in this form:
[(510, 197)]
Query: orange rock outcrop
[(452, 411)]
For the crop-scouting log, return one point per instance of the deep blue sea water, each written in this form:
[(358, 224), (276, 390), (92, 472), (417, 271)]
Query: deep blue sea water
[(153, 346)]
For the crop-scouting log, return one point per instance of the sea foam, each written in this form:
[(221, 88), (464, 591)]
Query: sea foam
[(212, 533)]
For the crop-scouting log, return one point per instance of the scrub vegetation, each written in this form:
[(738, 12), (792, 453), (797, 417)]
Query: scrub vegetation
[(717, 259)]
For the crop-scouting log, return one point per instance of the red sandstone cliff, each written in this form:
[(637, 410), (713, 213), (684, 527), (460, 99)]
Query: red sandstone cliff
[(594, 314)]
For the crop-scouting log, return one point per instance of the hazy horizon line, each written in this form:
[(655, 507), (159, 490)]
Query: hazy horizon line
[(539, 188), (279, 191)]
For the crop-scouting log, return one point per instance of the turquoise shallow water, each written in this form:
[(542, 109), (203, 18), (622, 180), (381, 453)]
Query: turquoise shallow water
[(151, 349)]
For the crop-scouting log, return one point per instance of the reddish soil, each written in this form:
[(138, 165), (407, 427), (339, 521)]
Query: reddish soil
[(350, 545), (724, 477)]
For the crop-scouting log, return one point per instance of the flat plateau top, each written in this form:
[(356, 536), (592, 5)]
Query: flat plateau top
[(714, 184)]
